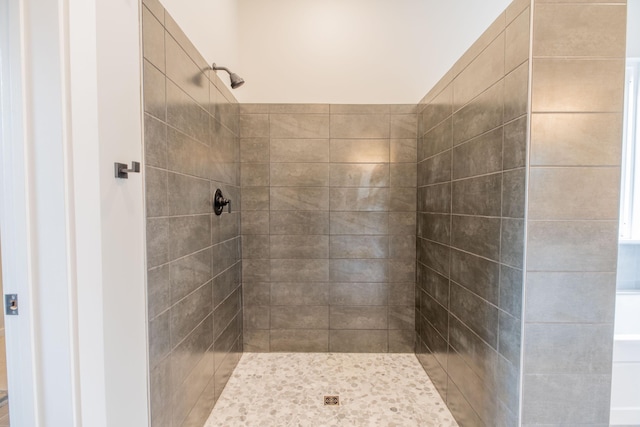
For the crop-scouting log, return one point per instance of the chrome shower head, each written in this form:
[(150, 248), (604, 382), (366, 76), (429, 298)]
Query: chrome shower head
[(236, 80)]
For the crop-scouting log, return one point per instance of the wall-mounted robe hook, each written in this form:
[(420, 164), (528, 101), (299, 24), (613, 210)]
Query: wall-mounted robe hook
[(123, 172)]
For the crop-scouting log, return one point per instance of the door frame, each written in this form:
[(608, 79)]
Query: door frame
[(14, 214)]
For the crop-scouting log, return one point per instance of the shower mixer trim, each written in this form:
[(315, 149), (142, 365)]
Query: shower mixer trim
[(219, 202)]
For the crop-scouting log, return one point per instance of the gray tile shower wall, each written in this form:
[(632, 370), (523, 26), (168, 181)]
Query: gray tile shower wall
[(362, 226), (470, 224), (194, 261), (577, 97), (328, 227)]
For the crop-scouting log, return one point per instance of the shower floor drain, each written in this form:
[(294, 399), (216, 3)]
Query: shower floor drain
[(331, 400)]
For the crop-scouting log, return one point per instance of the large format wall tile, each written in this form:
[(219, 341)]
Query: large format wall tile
[(194, 267), (299, 174), (293, 317), (361, 294), (572, 246), (577, 348), (154, 87), (434, 112), (299, 198), (153, 38), (577, 85), (577, 96), (517, 40), (472, 149), (359, 126), (360, 175), (514, 151), (477, 196), (302, 340), (295, 293), (574, 193), (479, 156), (545, 399), (359, 223), (184, 72), (303, 270), (576, 139), (328, 224), (483, 72), (299, 150), (595, 30), (299, 246), (185, 114), (359, 151), (358, 341), (359, 199), (436, 140), (481, 114), (299, 126), (477, 274), (155, 142), (299, 222), (580, 297)]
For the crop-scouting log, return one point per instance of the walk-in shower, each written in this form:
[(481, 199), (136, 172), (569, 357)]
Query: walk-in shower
[(390, 228)]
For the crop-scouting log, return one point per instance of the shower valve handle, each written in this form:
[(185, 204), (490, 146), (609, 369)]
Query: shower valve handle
[(219, 202)]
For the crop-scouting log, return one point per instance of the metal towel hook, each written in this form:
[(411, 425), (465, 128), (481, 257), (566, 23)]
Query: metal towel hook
[(122, 170)]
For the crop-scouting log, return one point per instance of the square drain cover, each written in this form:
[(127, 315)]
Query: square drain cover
[(332, 400)]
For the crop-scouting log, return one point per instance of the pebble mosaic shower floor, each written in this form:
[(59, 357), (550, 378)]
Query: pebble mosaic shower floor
[(288, 389)]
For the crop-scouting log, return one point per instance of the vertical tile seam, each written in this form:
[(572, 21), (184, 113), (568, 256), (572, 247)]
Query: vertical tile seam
[(143, 119), (532, 5), (269, 249), (164, 45), (388, 258), (504, 72), (417, 315), (331, 113), (449, 243)]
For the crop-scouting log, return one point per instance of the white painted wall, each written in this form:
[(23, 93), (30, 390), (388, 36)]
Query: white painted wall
[(86, 203), (105, 58), (212, 26), (122, 212), (633, 28), (337, 51), (354, 51)]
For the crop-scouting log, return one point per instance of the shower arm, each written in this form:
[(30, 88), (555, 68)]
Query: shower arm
[(214, 67)]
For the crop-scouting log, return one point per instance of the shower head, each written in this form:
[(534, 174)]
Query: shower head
[(236, 80)]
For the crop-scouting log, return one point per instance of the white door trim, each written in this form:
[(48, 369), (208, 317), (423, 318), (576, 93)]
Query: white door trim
[(15, 212)]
